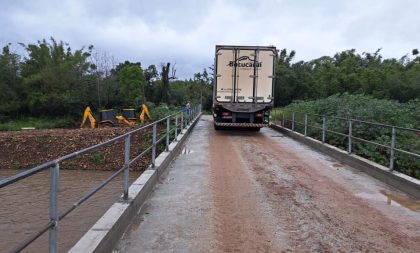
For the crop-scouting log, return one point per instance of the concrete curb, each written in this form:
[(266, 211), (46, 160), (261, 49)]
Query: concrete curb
[(105, 233), (398, 180)]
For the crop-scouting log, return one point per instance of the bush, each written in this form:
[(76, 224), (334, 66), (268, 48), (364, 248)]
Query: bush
[(162, 110), (363, 107)]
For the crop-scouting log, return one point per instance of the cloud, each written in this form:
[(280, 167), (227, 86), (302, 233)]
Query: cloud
[(186, 32)]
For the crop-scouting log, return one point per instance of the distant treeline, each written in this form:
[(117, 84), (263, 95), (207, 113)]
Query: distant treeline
[(348, 71), (51, 79)]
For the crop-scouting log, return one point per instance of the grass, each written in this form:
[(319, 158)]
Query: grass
[(97, 158), (37, 123)]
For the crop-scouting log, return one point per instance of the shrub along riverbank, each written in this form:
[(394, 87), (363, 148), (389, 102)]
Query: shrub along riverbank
[(367, 108)]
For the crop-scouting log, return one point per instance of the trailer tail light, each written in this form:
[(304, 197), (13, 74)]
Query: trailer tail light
[(216, 106), (259, 115), (226, 115)]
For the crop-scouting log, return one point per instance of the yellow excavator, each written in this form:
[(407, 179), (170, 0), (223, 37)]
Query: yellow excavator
[(107, 119)]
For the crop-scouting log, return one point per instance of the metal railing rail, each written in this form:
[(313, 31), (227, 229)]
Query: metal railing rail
[(181, 119), (349, 135)]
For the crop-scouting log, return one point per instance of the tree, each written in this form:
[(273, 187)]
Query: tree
[(54, 79), (9, 83), (131, 84), (165, 81), (106, 84)]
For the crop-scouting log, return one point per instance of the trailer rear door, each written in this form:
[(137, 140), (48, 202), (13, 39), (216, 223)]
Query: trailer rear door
[(225, 75), (244, 75)]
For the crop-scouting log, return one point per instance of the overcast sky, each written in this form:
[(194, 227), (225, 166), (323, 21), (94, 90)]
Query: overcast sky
[(186, 32)]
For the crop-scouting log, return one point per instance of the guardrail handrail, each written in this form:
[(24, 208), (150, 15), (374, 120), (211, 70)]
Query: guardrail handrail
[(187, 116), (349, 135), (361, 121)]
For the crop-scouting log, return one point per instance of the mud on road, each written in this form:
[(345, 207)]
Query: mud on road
[(263, 192)]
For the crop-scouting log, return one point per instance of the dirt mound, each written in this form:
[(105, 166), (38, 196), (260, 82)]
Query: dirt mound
[(26, 149)]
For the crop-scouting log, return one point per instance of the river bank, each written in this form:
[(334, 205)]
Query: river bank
[(25, 149)]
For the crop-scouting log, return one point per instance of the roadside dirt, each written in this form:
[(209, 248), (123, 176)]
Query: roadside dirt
[(26, 149)]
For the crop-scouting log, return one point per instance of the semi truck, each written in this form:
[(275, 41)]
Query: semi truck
[(243, 86)]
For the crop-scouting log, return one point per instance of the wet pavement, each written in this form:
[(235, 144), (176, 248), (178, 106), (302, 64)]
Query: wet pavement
[(241, 191)]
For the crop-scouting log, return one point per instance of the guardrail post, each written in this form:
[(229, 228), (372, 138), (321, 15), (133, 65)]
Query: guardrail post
[(323, 129), (176, 128), (392, 151), (167, 132), (282, 119), (293, 121), (154, 145), (272, 116), (127, 140), (349, 148), (54, 212), (306, 124), (182, 120)]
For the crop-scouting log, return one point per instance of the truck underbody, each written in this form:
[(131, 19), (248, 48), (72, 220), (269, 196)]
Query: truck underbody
[(241, 115)]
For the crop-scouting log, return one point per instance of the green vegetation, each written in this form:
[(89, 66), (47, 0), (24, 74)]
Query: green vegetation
[(97, 158), (347, 71), (37, 123), (363, 107), (53, 80)]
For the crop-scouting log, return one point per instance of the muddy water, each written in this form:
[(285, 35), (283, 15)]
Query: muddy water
[(24, 206)]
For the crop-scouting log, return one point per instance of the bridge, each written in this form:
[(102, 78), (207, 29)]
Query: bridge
[(268, 191)]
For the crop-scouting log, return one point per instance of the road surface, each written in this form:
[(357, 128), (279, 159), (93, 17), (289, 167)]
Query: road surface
[(241, 191)]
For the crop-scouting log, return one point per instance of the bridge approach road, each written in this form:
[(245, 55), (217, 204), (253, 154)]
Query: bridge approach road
[(240, 191)]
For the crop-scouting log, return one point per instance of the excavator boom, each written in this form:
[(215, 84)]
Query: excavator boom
[(88, 114), (144, 112)]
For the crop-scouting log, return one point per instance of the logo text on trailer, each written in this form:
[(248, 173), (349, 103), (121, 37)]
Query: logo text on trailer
[(245, 62)]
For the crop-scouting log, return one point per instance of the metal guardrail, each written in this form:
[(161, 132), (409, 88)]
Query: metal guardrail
[(349, 134), (182, 120)]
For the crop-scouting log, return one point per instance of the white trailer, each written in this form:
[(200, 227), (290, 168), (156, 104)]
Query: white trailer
[(243, 86)]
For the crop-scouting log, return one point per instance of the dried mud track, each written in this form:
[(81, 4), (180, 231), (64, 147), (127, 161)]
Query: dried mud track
[(240, 222), (269, 197)]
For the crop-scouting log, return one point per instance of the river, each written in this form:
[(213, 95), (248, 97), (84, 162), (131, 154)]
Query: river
[(24, 206)]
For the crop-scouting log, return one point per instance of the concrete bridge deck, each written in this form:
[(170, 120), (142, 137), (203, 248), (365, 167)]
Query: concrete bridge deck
[(239, 191)]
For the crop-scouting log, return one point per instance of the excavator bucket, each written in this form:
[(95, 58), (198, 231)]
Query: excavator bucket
[(124, 121)]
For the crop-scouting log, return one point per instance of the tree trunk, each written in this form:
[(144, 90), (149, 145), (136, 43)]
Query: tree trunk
[(165, 83)]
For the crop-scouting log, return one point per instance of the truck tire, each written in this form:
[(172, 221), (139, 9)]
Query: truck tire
[(217, 127), (256, 129)]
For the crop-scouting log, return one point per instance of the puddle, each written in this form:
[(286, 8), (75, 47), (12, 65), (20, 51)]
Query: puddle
[(402, 200), (393, 199), (186, 151)]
